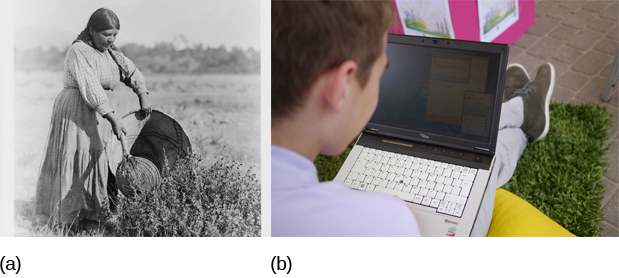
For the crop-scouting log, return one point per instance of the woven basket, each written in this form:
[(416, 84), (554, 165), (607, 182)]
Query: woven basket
[(135, 174)]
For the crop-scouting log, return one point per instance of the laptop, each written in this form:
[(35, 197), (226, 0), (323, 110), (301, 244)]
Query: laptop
[(432, 139)]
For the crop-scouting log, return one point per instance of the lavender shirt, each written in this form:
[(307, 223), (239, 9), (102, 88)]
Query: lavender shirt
[(302, 206)]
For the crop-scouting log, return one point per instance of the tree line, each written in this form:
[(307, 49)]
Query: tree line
[(163, 57)]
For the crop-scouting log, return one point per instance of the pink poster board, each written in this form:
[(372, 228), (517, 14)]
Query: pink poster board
[(466, 22)]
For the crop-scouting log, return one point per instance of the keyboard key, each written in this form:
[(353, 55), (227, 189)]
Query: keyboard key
[(417, 160), (450, 211), (407, 188), (370, 188), (444, 204), (408, 164), (391, 184), (352, 176), (376, 181), (384, 160), (465, 169), (392, 169), (361, 162), (451, 205), (423, 176), (402, 195), (457, 213), (465, 192), (455, 191), (473, 171), (348, 181), (422, 168), (365, 150), (392, 161), (438, 171), (370, 150), (431, 169), (459, 207), (431, 177), (368, 179), (423, 184), (458, 168), (439, 187), (383, 183), (399, 163), (379, 152), (362, 186), (355, 184), (389, 154), (415, 166), (447, 189), (447, 173), (440, 195), (408, 172), (431, 194), (426, 201), (368, 171), (406, 180), (391, 176), (423, 161), (435, 203), (398, 186), (448, 181), (384, 167), (368, 157), (383, 175), (363, 155), (375, 173), (400, 171), (370, 164), (414, 182), (440, 179), (451, 166), (358, 169), (455, 174), (417, 199), (360, 178), (430, 185), (378, 159), (456, 183), (467, 177), (415, 190), (397, 155), (423, 192), (415, 174), (441, 209), (444, 165), (455, 199)]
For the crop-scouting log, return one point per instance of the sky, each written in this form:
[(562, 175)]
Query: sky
[(210, 22)]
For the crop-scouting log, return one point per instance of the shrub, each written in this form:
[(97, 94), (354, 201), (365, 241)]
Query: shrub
[(194, 200)]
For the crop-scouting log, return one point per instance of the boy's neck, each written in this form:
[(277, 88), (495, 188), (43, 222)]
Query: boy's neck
[(298, 136)]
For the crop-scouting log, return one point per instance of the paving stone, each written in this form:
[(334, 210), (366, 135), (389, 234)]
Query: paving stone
[(611, 210), (585, 39), (542, 7), (561, 94), (606, 70), (614, 128), (560, 67), (607, 46), (614, 99), (592, 91), (545, 47), (608, 230), (613, 34), (567, 54), (613, 163), (580, 19), (543, 25), (573, 80), (514, 52), (601, 25), (572, 4), (591, 63), (526, 40), (563, 32), (560, 13), (611, 13), (530, 63), (596, 6), (611, 187)]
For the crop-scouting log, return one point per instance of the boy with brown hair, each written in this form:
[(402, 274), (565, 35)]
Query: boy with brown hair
[(327, 61)]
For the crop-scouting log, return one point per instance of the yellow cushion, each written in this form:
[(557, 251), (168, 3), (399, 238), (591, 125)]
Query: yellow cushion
[(515, 217)]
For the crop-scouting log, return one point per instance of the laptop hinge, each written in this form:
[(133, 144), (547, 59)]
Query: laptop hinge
[(482, 150), (371, 130)]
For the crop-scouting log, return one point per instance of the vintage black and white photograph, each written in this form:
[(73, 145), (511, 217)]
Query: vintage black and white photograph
[(137, 118)]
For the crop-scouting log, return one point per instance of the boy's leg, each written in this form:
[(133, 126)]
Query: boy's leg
[(526, 111), (511, 143)]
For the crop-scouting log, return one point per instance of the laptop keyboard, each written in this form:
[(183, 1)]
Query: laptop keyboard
[(429, 183)]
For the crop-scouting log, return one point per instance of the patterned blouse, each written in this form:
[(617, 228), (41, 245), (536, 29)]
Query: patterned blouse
[(92, 72)]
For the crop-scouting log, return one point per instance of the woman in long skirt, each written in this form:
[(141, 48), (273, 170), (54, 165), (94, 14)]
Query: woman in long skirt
[(72, 185)]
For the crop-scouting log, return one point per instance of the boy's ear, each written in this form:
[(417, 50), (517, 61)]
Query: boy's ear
[(339, 86)]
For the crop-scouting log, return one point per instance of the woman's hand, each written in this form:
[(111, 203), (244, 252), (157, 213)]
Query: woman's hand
[(117, 126), (145, 104)]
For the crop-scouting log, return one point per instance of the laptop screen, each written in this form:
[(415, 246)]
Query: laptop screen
[(439, 91)]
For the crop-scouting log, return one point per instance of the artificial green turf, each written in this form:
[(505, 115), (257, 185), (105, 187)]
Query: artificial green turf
[(559, 175)]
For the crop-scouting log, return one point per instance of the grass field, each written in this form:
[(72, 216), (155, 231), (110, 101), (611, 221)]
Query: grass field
[(216, 111)]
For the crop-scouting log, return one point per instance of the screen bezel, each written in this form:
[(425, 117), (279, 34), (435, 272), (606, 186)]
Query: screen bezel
[(442, 140)]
